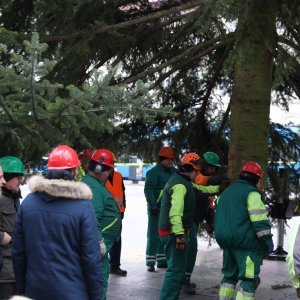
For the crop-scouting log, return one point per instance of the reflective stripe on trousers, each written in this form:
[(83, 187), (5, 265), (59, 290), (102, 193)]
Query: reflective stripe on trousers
[(243, 295), (226, 291)]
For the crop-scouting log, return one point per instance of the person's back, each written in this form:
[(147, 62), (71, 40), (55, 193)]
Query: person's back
[(56, 252)]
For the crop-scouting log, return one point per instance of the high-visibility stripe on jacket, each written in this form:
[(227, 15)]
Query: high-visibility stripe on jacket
[(116, 189), (241, 220)]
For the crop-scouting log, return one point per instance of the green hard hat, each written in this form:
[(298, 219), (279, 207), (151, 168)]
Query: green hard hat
[(11, 164), (212, 158)]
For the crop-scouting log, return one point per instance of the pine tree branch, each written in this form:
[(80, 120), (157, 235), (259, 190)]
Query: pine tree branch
[(213, 80), (7, 111), (184, 30), (32, 86), (293, 85), (182, 58), (223, 123), (288, 42), (126, 24), (287, 77), (187, 63)]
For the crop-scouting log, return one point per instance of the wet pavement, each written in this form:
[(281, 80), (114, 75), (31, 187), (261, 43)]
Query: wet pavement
[(142, 285)]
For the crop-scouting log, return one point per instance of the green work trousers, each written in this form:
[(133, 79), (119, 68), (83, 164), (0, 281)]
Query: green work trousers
[(176, 261), (192, 252), (110, 236), (155, 249), (243, 265)]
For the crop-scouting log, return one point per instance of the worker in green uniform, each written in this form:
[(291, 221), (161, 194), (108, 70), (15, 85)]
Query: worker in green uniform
[(156, 178), (175, 220), (204, 209), (243, 231), (106, 209)]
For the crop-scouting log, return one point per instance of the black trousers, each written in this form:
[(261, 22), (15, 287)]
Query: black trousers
[(7, 290), (115, 255)]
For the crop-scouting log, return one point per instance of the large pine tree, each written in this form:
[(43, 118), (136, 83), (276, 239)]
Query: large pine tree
[(185, 52)]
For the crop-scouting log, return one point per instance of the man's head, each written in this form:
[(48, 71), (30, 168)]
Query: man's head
[(190, 165), (252, 172), (13, 170), (210, 164), (2, 180), (166, 156), (84, 157), (62, 163), (102, 164)]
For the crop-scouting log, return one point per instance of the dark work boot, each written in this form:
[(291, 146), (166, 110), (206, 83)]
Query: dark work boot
[(118, 271), (162, 266), (151, 269), (189, 289)]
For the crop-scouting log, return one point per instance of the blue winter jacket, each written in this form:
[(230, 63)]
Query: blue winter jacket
[(55, 249)]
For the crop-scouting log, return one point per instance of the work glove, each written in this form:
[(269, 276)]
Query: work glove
[(154, 210), (102, 248), (180, 242), (6, 239)]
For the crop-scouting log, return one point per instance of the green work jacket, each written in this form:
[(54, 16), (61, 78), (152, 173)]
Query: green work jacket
[(177, 205), (156, 178), (241, 220), (106, 209)]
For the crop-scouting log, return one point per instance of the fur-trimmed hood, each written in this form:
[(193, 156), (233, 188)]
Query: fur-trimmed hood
[(60, 188)]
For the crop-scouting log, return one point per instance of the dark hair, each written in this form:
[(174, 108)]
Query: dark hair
[(9, 176), (59, 174), (186, 168), (161, 158), (205, 166), (250, 177)]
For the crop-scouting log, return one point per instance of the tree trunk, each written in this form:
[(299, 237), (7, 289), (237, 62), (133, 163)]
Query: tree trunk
[(251, 96)]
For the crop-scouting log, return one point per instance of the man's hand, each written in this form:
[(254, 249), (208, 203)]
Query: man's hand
[(6, 239), (102, 248), (154, 210), (180, 242)]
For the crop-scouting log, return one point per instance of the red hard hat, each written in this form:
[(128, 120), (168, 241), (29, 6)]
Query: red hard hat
[(104, 156), (191, 159), (167, 152), (253, 168), (63, 157)]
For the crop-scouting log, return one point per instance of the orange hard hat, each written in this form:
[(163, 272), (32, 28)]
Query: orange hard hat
[(63, 157), (167, 152), (253, 168), (104, 156), (191, 159)]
